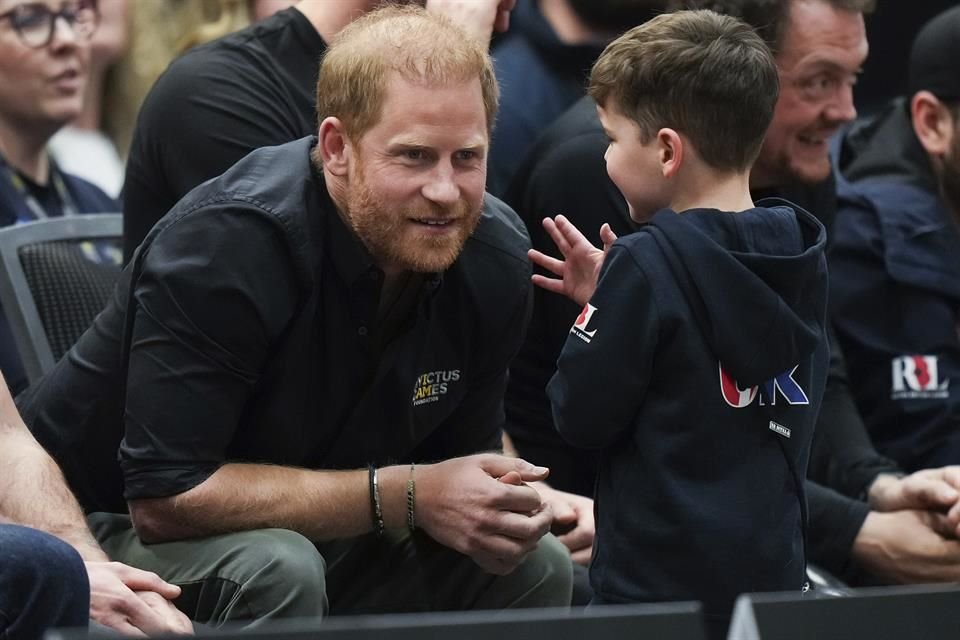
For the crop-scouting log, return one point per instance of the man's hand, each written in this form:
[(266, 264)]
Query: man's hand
[(482, 507), (936, 489), (579, 270), (480, 18), (573, 522), (908, 547), (134, 602)]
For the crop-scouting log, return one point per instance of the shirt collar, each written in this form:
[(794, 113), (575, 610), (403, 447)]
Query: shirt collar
[(350, 258)]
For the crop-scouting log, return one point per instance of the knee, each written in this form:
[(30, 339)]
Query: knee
[(43, 582), (557, 568), (548, 573), (286, 575)]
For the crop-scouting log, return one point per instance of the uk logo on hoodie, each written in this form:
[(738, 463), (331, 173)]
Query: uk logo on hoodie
[(783, 385)]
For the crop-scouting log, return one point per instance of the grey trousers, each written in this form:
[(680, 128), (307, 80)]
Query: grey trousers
[(265, 574)]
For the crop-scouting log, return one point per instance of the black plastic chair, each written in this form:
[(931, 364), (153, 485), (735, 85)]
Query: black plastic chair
[(56, 275)]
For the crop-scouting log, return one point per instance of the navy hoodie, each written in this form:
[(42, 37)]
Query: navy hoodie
[(895, 290), (698, 368)]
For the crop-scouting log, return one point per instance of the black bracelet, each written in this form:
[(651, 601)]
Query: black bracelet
[(376, 513), (411, 501)]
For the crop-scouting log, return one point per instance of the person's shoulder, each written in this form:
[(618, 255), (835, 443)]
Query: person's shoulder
[(272, 184), (641, 241), (259, 36), (493, 269), (232, 57), (270, 177), (501, 232)]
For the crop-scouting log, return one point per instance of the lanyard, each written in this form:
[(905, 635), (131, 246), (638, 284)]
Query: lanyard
[(67, 203)]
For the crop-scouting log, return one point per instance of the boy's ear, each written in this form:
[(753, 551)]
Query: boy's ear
[(671, 150), (932, 122), (334, 146)]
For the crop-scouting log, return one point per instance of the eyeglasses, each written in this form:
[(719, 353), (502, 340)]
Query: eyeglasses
[(35, 22)]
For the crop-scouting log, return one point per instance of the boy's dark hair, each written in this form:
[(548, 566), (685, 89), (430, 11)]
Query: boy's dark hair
[(768, 17), (708, 76)]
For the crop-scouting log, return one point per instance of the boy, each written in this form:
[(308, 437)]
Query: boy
[(699, 362)]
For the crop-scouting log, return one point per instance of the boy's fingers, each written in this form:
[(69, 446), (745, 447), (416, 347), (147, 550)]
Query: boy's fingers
[(548, 284), (549, 263)]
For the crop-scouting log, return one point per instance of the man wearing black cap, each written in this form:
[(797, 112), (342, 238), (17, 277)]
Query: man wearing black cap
[(895, 264)]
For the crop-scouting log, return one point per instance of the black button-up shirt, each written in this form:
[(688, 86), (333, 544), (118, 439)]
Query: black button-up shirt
[(246, 329)]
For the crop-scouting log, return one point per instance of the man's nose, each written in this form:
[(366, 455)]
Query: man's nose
[(442, 187), (841, 109)]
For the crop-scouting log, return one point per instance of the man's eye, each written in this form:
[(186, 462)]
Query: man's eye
[(414, 154), (467, 155), (821, 85)]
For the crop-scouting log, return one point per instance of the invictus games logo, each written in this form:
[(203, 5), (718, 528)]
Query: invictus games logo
[(916, 378), (433, 384)]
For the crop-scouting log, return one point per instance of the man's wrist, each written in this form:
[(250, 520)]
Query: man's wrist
[(376, 509), (876, 493), (393, 494), (90, 551)]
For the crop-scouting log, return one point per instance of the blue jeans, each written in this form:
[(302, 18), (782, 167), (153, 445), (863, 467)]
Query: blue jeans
[(43, 584)]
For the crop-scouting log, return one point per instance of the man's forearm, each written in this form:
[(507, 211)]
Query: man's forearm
[(835, 522), (33, 491), (321, 505)]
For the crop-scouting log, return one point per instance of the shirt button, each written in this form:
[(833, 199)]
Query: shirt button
[(362, 331)]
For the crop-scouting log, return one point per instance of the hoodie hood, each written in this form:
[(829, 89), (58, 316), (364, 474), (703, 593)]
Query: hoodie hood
[(881, 168), (884, 147), (772, 318)]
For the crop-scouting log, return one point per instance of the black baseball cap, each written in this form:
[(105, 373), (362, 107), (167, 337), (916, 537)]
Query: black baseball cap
[(935, 57)]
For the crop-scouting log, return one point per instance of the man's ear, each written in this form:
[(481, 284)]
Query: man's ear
[(671, 150), (334, 146), (932, 122)]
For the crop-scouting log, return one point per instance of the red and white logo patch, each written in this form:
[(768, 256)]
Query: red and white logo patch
[(917, 377), (579, 328)]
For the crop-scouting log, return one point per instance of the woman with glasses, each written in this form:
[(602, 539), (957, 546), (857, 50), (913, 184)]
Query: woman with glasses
[(44, 65), (44, 58)]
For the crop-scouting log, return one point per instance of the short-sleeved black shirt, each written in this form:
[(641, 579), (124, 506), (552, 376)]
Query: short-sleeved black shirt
[(244, 330), (214, 105)]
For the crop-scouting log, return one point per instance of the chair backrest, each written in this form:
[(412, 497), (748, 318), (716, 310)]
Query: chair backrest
[(677, 621), (56, 275), (924, 612)]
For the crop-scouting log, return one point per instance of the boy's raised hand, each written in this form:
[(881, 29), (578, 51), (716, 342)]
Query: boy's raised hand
[(580, 268)]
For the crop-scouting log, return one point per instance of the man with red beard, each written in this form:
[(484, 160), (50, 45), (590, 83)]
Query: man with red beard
[(895, 264), (305, 362)]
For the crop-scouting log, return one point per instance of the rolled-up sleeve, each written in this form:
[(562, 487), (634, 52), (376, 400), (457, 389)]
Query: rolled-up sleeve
[(215, 291)]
